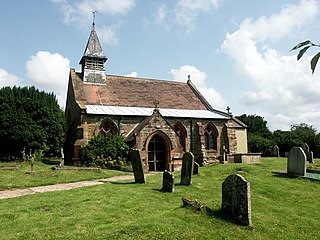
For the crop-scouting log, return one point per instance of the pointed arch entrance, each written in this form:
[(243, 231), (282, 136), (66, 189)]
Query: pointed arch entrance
[(158, 150)]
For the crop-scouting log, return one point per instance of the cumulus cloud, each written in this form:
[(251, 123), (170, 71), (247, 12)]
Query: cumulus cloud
[(187, 11), (199, 78), (49, 72), (286, 92), (8, 79), (132, 74), (161, 14), (79, 13)]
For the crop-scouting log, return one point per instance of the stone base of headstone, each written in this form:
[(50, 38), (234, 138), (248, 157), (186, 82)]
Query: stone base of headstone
[(236, 199), (167, 182)]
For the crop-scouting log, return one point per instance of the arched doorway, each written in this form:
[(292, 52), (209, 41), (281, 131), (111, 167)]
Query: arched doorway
[(157, 154)]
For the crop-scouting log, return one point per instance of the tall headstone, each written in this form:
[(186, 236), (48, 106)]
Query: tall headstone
[(167, 181), (297, 162), (137, 166), (196, 168), (187, 168), (309, 154), (276, 152), (236, 199)]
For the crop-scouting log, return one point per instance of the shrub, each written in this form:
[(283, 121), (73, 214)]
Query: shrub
[(108, 151)]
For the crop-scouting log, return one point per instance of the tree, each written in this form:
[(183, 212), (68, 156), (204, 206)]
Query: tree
[(256, 125), (30, 120), (306, 45)]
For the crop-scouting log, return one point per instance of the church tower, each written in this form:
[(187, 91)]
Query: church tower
[(93, 59)]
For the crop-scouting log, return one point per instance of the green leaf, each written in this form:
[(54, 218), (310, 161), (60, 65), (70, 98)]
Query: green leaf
[(314, 61), (302, 51), (299, 45)]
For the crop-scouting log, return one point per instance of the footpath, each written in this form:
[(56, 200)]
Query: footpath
[(60, 187)]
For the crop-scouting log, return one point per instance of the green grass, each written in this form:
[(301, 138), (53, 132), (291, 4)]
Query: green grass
[(282, 208), (44, 175)]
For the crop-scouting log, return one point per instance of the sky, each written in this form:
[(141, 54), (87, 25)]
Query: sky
[(236, 52)]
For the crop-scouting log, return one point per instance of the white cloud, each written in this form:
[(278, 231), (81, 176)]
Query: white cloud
[(108, 35), (49, 72), (161, 14), (187, 11), (8, 79), (199, 78), (287, 92), (132, 74)]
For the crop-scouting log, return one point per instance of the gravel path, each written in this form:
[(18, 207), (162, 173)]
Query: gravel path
[(60, 187)]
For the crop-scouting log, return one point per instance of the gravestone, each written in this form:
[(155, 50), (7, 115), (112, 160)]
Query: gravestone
[(167, 182), (196, 168), (276, 151), (187, 168), (309, 154), (224, 154), (137, 166), (236, 199), (297, 162)]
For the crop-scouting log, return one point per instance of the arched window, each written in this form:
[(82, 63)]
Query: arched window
[(108, 127), (210, 137), (180, 129)]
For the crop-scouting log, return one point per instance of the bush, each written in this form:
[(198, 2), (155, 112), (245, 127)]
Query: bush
[(110, 151), (260, 144)]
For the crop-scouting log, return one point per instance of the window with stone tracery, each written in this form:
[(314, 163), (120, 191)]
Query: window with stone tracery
[(180, 129), (210, 137), (108, 127)]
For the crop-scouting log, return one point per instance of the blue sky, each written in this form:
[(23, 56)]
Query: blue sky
[(237, 52)]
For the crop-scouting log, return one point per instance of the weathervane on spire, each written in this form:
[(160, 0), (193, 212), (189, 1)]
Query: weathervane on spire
[(94, 17)]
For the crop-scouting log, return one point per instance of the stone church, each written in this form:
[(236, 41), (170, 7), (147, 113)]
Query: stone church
[(163, 119)]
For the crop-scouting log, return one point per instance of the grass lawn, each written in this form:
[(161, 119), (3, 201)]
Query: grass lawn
[(282, 208), (44, 175)]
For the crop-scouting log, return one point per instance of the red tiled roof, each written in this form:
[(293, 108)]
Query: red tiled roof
[(136, 92)]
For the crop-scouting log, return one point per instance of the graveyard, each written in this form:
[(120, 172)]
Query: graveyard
[(282, 207)]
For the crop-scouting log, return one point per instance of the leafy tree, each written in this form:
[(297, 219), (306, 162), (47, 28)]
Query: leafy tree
[(305, 45), (106, 151), (30, 121), (259, 144), (256, 125)]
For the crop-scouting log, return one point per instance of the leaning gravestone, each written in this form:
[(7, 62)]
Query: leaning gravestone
[(187, 168), (309, 154), (297, 162), (276, 151), (137, 166), (236, 199), (196, 168), (167, 182)]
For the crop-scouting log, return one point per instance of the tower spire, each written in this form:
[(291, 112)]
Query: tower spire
[(94, 17)]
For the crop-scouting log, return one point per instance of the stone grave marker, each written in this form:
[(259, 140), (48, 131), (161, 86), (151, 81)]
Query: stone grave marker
[(236, 199), (187, 168), (137, 166), (196, 168), (297, 162), (309, 154), (276, 152), (167, 182)]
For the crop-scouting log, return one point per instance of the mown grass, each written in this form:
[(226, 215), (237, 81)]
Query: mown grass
[(282, 208), (45, 175)]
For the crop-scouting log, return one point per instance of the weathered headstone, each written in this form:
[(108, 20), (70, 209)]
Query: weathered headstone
[(196, 168), (224, 154), (137, 166), (236, 199), (309, 154), (167, 181), (187, 168), (276, 151), (297, 162)]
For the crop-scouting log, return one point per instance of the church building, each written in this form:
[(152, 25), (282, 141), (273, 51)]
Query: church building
[(163, 119)]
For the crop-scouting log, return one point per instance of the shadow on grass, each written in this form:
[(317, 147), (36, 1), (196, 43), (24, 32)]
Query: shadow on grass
[(48, 161), (123, 183)]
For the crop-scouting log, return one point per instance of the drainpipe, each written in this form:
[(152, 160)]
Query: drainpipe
[(191, 136)]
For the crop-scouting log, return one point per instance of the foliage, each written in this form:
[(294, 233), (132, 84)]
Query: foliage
[(106, 151), (256, 125), (259, 144), (30, 121), (306, 45)]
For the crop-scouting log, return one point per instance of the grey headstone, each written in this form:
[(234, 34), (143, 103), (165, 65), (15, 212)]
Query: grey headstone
[(196, 168), (137, 166), (187, 168), (167, 182), (309, 154), (276, 151), (236, 199), (297, 162)]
